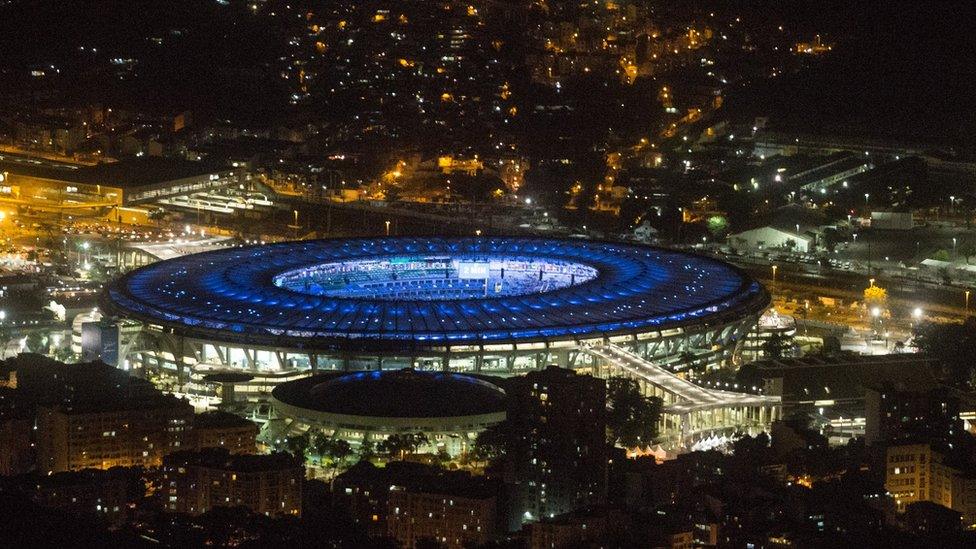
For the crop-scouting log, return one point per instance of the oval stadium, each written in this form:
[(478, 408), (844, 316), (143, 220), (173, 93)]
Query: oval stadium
[(499, 305), (449, 408)]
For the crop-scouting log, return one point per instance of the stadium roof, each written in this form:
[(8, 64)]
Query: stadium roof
[(230, 295), (402, 393), (138, 172)]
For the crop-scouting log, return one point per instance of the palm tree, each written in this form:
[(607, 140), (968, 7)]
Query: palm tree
[(337, 450), (401, 445), (367, 450), (297, 445), (320, 444)]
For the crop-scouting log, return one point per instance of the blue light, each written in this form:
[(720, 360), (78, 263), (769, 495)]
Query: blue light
[(234, 292)]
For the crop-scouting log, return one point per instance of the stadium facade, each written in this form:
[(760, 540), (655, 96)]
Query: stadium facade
[(499, 306), (450, 409)]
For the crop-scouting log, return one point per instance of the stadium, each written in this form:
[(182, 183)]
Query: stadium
[(449, 408), (500, 306)]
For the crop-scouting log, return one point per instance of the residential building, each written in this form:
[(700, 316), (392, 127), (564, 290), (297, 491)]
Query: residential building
[(456, 516), (918, 472), (562, 466), (224, 430), (413, 501), (101, 435), (196, 482)]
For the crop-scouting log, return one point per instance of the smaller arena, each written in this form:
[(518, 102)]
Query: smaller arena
[(449, 408)]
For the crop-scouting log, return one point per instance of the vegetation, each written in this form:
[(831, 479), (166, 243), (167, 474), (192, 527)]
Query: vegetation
[(401, 445), (953, 345), (718, 226), (632, 418), (298, 445), (337, 450), (875, 296), (775, 345), (489, 447)]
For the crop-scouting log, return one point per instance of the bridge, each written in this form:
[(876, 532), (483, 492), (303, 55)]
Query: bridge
[(691, 412)]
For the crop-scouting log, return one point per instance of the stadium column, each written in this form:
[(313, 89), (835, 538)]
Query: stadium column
[(313, 361), (181, 362), (479, 361)]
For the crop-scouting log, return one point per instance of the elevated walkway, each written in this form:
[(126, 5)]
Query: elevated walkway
[(692, 412)]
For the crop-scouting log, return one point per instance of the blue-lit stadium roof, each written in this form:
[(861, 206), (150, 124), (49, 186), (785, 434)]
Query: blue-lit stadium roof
[(232, 295)]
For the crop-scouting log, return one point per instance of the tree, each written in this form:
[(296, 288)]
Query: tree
[(875, 296), (297, 445), (402, 444), (953, 345), (490, 445), (337, 450), (967, 249), (717, 225), (690, 362), (941, 255), (775, 345), (831, 237), (367, 450), (320, 444), (945, 275), (632, 418)]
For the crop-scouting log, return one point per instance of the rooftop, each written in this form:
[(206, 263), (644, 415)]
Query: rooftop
[(396, 393), (138, 172), (220, 458), (218, 419)]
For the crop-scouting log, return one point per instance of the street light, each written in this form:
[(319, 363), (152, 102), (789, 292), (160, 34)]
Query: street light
[(387, 227), (774, 273), (871, 280), (866, 196), (967, 302)]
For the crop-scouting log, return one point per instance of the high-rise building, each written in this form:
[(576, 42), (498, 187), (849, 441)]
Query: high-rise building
[(457, 515), (224, 430), (560, 465), (892, 414), (921, 473), (101, 435), (196, 482), (412, 501)]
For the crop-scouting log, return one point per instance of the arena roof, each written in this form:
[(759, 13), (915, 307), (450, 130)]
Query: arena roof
[(236, 294), (132, 173), (402, 393)]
